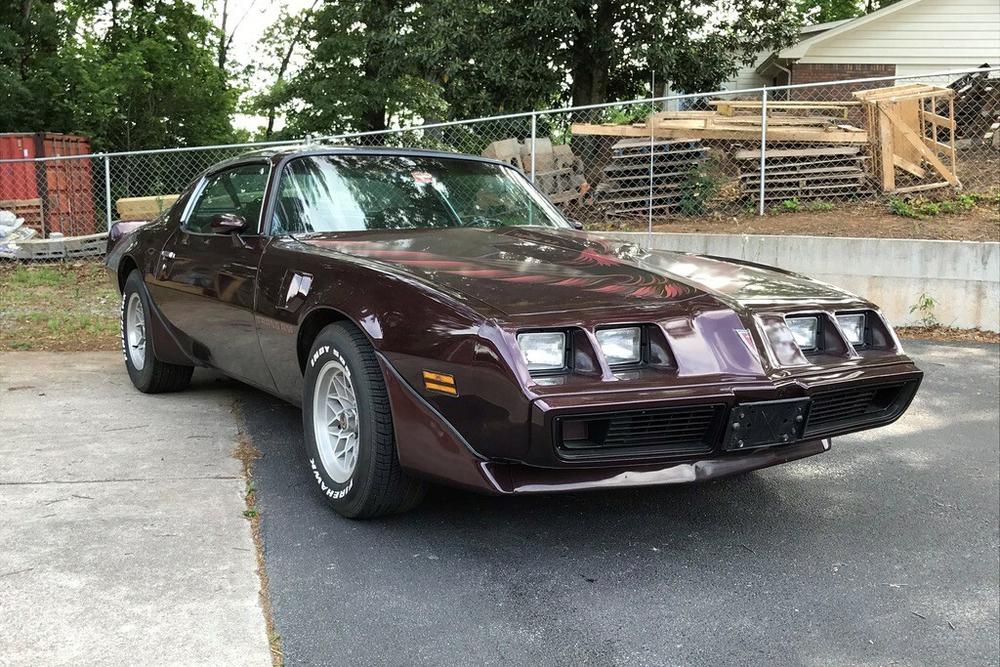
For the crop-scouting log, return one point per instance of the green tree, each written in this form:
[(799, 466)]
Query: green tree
[(615, 46), (31, 64), (822, 11), (137, 74), (376, 61), (150, 78), (278, 47)]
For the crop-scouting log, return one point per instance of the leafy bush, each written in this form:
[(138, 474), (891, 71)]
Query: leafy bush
[(902, 208), (700, 185), (822, 206), (787, 206), (928, 208), (925, 308)]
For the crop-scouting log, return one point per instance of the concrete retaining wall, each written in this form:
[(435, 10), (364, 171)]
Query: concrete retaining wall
[(962, 276)]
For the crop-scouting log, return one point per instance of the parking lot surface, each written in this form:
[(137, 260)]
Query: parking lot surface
[(882, 551)]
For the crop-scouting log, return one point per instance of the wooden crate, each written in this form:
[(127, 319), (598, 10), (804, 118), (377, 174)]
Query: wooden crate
[(913, 136)]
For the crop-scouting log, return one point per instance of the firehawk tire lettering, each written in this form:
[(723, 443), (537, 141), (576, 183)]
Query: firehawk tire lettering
[(330, 493)]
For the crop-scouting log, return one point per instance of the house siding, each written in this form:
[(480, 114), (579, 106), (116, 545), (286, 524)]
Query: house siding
[(932, 35)]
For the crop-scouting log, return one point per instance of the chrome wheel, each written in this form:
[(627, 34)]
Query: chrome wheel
[(335, 421), (135, 332)]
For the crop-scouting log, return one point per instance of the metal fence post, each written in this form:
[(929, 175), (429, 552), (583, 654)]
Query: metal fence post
[(534, 136), (652, 134), (107, 188), (763, 149)]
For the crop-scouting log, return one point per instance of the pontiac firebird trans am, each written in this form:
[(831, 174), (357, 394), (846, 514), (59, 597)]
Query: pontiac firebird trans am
[(437, 319)]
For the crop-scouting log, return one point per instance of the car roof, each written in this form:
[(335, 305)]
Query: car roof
[(281, 153)]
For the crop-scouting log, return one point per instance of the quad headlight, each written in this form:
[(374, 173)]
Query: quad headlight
[(543, 350), (804, 330), (621, 346), (853, 326)]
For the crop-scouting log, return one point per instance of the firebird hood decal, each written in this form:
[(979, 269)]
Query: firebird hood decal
[(521, 271)]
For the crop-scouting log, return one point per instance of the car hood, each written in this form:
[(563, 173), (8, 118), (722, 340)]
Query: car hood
[(524, 271)]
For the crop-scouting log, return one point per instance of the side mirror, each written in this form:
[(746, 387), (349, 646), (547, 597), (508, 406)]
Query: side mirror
[(576, 224), (227, 223)]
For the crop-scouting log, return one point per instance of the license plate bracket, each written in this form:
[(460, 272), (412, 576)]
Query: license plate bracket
[(766, 423)]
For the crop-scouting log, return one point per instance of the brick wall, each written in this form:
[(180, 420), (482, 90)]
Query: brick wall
[(818, 72)]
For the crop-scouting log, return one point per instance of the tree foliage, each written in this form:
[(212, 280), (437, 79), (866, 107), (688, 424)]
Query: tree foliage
[(822, 11), (376, 61), (150, 73), (129, 75)]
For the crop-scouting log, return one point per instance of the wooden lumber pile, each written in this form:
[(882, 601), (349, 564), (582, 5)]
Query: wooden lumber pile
[(558, 172), (814, 172), (628, 185), (977, 107), (143, 208), (913, 131), (797, 124)]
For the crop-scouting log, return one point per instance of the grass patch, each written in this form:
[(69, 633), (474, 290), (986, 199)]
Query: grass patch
[(62, 306), (247, 454), (919, 209)]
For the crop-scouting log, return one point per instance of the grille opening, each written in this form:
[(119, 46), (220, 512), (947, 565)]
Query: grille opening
[(857, 406), (676, 430)]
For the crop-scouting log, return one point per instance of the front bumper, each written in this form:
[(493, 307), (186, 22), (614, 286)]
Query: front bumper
[(430, 447), (518, 479)]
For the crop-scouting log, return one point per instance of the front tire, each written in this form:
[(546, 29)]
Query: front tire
[(347, 421), (148, 374)]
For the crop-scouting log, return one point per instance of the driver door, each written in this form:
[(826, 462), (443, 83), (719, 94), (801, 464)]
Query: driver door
[(206, 278)]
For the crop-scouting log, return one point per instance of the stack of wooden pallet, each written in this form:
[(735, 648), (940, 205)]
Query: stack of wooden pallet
[(634, 180), (977, 107), (557, 171), (814, 172)]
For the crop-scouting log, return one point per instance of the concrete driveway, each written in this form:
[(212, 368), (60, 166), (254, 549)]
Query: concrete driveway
[(881, 551), (122, 539)]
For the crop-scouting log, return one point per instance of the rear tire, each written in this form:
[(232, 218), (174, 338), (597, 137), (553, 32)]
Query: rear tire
[(148, 374), (347, 422)]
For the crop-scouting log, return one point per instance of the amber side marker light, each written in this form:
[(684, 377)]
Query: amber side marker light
[(440, 382)]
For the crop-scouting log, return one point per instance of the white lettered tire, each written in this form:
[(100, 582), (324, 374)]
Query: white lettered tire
[(347, 424)]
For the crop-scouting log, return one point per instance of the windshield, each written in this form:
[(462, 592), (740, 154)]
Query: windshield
[(338, 193)]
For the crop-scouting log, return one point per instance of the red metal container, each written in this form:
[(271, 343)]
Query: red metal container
[(51, 195)]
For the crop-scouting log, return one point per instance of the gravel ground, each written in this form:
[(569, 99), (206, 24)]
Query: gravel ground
[(881, 551)]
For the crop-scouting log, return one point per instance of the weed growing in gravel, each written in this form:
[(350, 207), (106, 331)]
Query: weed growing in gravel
[(923, 208), (925, 308)]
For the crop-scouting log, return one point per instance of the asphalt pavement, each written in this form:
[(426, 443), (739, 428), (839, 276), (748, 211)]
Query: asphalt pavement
[(882, 551)]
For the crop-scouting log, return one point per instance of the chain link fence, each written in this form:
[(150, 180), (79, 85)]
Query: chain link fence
[(909, 143)]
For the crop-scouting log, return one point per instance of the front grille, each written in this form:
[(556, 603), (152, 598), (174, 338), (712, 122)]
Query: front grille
[(859, 406), (654, 431)]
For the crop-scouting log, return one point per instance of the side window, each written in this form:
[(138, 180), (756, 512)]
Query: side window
[(313, 196), (239, 190)]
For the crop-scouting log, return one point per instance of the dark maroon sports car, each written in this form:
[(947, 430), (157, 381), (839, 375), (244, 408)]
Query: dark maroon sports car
[(437, 319)]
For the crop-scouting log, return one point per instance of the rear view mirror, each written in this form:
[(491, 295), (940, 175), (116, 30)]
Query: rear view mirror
[(576, 224), (227, 223)]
